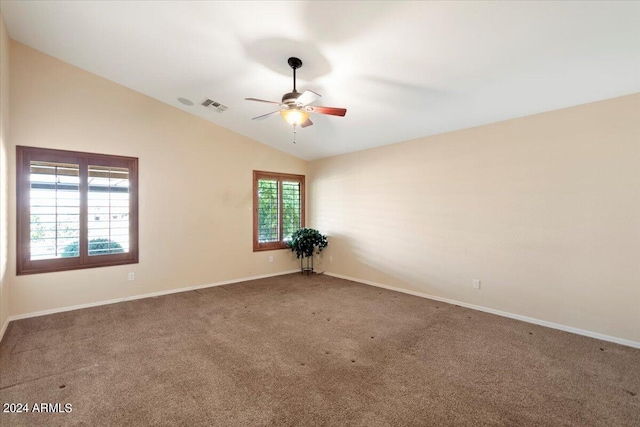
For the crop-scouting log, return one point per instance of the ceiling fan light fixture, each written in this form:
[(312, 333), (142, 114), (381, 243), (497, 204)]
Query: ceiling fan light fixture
[(295, 116)]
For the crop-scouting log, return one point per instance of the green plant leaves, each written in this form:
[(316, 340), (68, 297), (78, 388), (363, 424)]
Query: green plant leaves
[(305, 241)]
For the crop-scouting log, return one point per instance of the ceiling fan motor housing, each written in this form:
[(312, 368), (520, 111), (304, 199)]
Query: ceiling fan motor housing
[(290, 98)]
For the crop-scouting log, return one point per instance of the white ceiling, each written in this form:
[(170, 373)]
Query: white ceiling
[(402, 69)]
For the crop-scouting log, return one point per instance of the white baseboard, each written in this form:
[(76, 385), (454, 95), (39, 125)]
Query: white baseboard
[(4, 328), (134, 297), (590, 334), (552, 325)]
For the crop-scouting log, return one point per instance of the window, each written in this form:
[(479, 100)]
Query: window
[(75, 210), (278, 208)]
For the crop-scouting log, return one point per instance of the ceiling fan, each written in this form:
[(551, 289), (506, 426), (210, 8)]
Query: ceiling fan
[(295, 108)]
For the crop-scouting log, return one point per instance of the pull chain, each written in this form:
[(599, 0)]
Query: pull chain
[(294, 129)]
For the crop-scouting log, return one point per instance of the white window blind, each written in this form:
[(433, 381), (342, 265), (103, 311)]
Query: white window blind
[(108, 210), (54, 198)]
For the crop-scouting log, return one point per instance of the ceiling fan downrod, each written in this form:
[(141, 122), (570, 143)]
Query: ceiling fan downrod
[(294, 63)]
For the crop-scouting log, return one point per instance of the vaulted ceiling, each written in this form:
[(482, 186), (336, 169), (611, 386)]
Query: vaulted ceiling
[(402, 69)]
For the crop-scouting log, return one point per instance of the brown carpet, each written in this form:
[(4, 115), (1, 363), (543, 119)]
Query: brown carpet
[(310, 351)]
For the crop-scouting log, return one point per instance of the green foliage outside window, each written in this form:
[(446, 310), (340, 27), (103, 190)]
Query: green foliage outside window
[(98, 246), (268, 218), (290, 208), (267, 211)]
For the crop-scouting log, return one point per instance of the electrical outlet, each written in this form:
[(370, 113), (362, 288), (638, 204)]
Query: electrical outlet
[(476, 284), (271, 258), (132, 276)]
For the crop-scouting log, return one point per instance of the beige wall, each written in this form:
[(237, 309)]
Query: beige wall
[(195, 184), (544, 210), (4, 172)]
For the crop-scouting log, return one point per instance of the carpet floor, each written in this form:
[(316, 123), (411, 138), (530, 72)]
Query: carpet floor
[(308, 351)]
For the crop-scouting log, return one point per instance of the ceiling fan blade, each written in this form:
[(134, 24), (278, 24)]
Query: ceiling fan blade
[(328, 110), (261, 100), (306, 123), (307, 97), (264, 116)]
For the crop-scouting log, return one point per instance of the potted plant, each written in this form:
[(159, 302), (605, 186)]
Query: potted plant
[(305, 242)]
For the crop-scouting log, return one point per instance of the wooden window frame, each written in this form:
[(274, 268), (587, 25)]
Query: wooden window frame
[(24, 156), (257, 175)]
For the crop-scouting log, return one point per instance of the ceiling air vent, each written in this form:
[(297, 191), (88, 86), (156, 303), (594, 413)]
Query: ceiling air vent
[(213, 105)]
